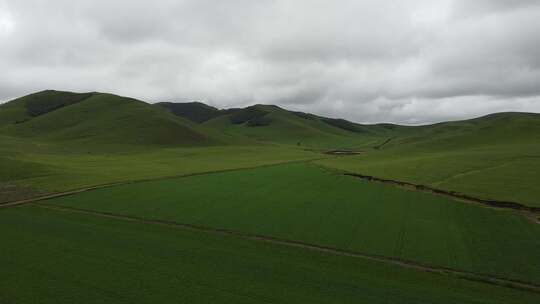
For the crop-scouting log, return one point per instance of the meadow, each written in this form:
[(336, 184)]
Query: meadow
[(36, 168), (306, 203), (508, 173), (51, 256)]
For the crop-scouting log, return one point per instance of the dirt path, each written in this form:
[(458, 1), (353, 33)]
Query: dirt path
[(53, 195), (452, 194), (313, 247)]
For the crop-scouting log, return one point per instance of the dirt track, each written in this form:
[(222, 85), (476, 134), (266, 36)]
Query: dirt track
[(313, 247)]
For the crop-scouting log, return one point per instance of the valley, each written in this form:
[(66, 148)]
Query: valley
[(263, 204)]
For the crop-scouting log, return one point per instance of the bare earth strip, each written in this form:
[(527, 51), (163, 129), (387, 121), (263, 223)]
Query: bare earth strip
[(325, 249)]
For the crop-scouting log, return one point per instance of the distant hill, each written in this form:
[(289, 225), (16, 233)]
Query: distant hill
[(96, 118), (100, 118), (269, 123), (490, 130)]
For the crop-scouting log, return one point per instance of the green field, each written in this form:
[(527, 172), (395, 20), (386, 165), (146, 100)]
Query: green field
[(59, 257), (34, 167), (305, 203)]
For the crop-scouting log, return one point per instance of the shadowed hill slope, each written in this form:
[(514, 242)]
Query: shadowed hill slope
[(33, 105), (195, 111)]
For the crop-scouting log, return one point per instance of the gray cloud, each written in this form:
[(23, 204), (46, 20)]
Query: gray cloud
[(369, 61)]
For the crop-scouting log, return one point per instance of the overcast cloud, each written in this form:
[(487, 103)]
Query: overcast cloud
[(410, 62)]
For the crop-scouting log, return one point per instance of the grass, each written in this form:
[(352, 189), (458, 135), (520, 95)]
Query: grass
[(57, 141), (110, 119), (59, 257), (494, 157), (502, 173), (305, 203), (48, 167), (284, 127)]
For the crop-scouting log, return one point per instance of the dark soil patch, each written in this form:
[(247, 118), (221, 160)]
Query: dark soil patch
[(11, 192)]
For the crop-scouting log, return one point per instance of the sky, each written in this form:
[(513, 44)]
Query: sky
[(408, 62)]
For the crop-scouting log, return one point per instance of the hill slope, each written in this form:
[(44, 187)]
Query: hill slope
[(490, 130), (493, 157), (96, 118), (269, 123), (195, 111)]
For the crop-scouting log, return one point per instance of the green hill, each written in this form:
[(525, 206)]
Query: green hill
[(109, 119), (96, 118), (496, 156), (27, 107), (272, 124), (195, 111), (267, 123), (494, 129)]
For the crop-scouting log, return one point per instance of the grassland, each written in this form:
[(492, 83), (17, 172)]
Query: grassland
[(58, 257), (306, 203), (34, 167), (187, 164), (494, 157)]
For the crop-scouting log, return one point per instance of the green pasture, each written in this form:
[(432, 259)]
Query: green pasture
[(51, 168), (306, 203), (509, 172), (56, 257)]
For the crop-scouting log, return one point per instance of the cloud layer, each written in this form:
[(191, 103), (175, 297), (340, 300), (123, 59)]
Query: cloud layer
[(370, 61)]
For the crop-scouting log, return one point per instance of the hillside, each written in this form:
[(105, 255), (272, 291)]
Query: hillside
[(101, 118), (96, 118), (195, 111), (268, 123), (493, 157), (33, 105), (490, 130)]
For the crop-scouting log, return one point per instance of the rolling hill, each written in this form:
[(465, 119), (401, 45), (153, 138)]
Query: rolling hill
[(490, 130), (100, 118), (95, 119), (494, 157), (269, 123)]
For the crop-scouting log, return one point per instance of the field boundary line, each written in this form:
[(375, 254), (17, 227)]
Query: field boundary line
[(507, 205), (470, 276), (128, 182)]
